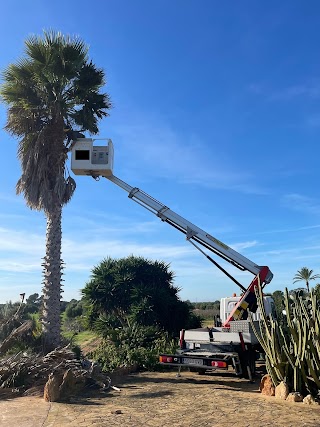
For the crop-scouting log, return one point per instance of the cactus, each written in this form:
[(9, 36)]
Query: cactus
[(292, 349)]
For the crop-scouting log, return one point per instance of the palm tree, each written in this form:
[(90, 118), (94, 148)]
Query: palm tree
[(305, 275), (53, 91), (135, 290)]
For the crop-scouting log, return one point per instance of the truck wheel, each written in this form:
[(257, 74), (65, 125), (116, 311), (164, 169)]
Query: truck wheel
[(248, 360)]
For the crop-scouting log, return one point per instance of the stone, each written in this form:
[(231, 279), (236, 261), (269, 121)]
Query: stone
[(294, 397), (71, 385), (67, 386), (51, 389), (310, 400), (60, 387), (266, 386), (282, 391)]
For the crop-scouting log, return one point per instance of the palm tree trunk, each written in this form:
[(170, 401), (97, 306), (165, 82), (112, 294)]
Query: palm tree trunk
[(52, 277)]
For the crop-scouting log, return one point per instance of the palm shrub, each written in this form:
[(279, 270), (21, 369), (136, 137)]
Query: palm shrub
[(133, 305), (51, 92), (137, 290), (292, 348)]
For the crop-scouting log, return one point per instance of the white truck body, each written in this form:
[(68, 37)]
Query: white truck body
[(227, 306)]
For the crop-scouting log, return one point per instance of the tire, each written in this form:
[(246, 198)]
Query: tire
[(248, 359)]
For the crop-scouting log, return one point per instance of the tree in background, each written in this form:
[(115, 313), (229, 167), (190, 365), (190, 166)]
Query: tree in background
[(305, 275), (53, 89), (74, 309), (33, 303), (73, 318)]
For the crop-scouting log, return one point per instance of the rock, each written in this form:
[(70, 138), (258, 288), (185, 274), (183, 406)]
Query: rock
[(60, 387), (71, 385), (117, 412), (282, 391), (51, 389), (266, 386), (294, 397), (310, 400)]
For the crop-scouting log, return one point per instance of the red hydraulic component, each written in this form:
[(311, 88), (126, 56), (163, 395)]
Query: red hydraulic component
[(248, 300), (182, 342)]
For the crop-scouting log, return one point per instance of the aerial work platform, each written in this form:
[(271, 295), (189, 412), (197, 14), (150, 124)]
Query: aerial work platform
[(92, 160)]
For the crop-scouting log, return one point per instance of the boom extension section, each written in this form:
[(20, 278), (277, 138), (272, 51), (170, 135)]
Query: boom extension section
[(191, 231), (97, 161)]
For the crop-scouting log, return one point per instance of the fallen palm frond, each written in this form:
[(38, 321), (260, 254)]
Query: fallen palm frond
[(24, 371)]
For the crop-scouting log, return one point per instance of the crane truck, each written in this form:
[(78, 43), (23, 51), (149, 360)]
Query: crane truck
[(231, 344)]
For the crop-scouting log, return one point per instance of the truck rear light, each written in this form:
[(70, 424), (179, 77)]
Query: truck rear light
[(166, 359), (218, 364)]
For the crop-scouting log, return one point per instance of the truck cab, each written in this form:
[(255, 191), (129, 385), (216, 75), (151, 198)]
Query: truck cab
[(227, 306)]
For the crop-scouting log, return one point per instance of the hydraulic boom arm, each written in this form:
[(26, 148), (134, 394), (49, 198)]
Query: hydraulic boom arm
[(192, 232), (96, 161)]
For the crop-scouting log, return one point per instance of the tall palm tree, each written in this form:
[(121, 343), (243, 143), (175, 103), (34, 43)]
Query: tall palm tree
[(53, 91), (305, 275)]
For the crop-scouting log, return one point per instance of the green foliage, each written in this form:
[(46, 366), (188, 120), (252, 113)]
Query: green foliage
[(85, 337), (293, 348), (52, 93), (30, 341), (206, 311), (54, 87), (10, 316), (74, 309), (135, 290), (33, 303), (134, 306), (209, 305), (305, 275), (36, 325), (133, 345)]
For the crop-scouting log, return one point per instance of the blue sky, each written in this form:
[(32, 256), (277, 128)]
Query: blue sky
[(216, 114)]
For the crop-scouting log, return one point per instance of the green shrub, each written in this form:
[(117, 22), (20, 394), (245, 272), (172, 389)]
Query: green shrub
[(133, 345)]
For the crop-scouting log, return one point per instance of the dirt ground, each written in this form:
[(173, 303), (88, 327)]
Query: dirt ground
[(161, 399)]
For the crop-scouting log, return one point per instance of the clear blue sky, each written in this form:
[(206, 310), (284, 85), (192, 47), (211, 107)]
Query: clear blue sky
[(216, 114)]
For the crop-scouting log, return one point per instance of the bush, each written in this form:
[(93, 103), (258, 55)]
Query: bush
[(138, 290), (133, 345)]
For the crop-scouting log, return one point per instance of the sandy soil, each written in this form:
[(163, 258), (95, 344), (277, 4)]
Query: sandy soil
[(162, 399)]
